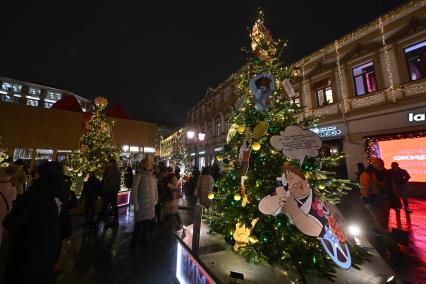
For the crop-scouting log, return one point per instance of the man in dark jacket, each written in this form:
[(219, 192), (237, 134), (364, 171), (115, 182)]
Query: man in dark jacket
[(110, 188), (33, 225), (399, 178), (128, 177), (91, 190)]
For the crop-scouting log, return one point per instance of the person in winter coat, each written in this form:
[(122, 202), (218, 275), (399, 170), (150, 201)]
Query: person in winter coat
[(160, 173), (65, 224), (128, 177), (171, 197), (399, 178), (7, 194), (361, 169), (377, 192), (204, 186), (145, 197), (110, 188), (34, 229), (20, 178), (91, 190)]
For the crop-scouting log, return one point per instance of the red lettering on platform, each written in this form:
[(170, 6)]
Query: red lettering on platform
[(188, 270)]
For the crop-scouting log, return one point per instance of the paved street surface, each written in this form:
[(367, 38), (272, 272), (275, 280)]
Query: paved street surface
[(103, 255), (412, 263)]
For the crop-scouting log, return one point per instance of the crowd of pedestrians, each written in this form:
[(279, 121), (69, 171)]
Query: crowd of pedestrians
[(381, 190), (35, 221)]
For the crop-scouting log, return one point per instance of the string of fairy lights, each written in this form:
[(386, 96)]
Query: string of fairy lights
[(364, 30), (341, 82), (390, 93)]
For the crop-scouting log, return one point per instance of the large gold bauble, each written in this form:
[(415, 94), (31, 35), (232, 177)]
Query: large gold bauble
[(256, 146)]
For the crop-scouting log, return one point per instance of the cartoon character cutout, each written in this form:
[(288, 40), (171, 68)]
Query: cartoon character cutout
[(262, 86), (242, 235), (311, 216)]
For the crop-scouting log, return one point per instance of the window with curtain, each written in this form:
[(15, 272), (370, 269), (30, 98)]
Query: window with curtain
[(364, 78), (416, 60), (323, 92)]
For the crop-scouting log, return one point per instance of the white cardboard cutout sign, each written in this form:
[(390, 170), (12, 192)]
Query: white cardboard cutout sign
[(288, 88), (297, 143), (311, 216), (262, 91)]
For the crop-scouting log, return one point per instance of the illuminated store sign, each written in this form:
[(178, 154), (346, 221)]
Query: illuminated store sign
[(329, 131), (416, 117), (188, 270)]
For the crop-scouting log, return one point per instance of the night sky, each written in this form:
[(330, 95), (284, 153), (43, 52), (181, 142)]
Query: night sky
[(157, 59)]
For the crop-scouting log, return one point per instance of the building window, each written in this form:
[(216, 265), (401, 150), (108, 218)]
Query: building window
[(295, 101), (8, 99), (364, 79), (416, 60), (44, 154), (323, 92), (48, 104), (53, 96), (11, 87), (33, 103), (34, 92), (24, 154)]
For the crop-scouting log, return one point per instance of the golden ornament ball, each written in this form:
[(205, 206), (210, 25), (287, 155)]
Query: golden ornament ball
[(241, 129), (219, 157), (237, 197), (321, 186), (260, 129), (210, 196), (256, 146)]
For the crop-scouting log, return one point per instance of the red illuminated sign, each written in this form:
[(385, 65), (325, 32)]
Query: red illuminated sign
[(410, 154), (123, 198), (188, 270)]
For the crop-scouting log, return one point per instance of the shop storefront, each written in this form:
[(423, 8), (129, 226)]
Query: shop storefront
[(394, 136), (333, 145)]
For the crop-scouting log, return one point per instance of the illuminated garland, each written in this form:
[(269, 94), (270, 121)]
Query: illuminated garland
[(346, 102), (363, 30)]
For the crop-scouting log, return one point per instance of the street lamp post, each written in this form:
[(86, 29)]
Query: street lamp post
[(196, 137)]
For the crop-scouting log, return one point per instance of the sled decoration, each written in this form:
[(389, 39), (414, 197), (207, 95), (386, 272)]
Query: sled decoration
[(336, 250)]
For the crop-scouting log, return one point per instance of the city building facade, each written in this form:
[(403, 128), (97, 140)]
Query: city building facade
[(163, 130), (368, 89), (210, 116), (33, 128), (35, 95), (166, 146)]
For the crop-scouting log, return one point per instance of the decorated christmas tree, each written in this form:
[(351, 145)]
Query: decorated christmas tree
[(276, 202), (178, 155), (96, 146)]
